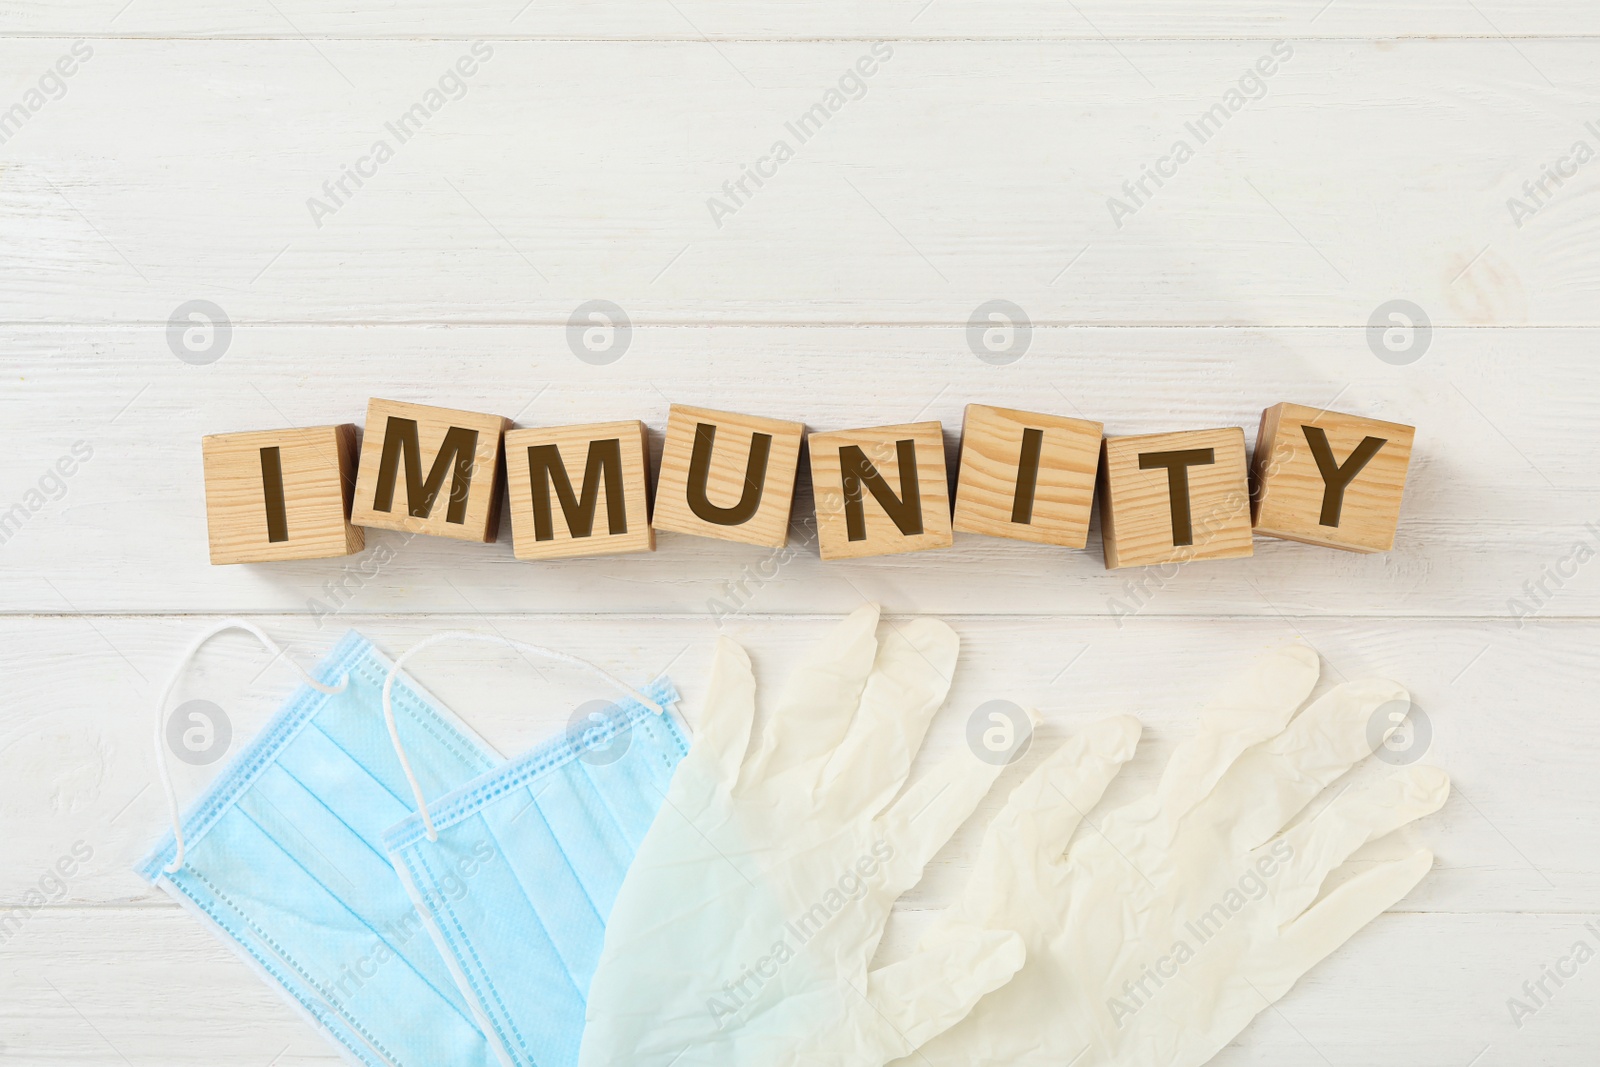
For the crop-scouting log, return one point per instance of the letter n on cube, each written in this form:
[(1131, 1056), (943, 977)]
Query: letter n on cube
[(881, 490)]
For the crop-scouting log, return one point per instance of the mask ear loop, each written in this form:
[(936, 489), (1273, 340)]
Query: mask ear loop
[(161, 712), (485, 639)]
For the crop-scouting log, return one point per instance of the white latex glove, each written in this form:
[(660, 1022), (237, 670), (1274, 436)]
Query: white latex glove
[(1158, 930), (743, 931)]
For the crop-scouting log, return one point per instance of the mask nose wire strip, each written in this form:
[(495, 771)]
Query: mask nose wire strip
[(166, 693), (484, 639)]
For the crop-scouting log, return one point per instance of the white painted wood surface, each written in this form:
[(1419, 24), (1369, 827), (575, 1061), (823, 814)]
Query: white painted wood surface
[(1377, 166), (696, 20), (569, 170)]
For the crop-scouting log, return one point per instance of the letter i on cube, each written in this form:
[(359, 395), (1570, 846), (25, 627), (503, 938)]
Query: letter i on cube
[(281, 494), (1027, 476)]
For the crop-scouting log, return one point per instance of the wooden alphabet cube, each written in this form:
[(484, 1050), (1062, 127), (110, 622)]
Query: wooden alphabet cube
[(1027, 476), (430, 470), (578, 490), (281, 494), (1329, 479), (1175, 497), (727, 476), (880, 490)]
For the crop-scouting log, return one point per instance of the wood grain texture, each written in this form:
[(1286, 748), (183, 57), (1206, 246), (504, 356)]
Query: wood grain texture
[(313, 473), (880, 491), (1049, 500), (946, 184), (699, 20), (1341, 499), (611, 517), (430, 470), (729, 482), (1175, 498)]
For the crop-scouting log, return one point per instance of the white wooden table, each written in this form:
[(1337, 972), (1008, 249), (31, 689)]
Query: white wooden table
[(175, 164)]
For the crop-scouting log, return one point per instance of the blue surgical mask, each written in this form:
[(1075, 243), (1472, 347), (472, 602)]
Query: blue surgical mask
[(516, 871), (283, 859)]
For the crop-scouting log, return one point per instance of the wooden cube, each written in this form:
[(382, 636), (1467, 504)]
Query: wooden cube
[(1329, 479), (1027, 476), (281, 494), (880, 490), (1175, 497), (727, 476), (430, 470), (578, 490)]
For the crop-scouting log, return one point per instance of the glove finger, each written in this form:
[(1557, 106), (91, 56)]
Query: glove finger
[(1256, 707), (1272, 782), (1337, 917), (918, 824), (908, 684), (917, 999), (1041, 815), (1350, 821), (722, 730), (820, 698)]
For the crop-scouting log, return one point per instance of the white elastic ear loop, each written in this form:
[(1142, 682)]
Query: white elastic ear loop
[(484, 639), (161, 712)]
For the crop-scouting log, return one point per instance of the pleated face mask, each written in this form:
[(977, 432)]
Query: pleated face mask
[(282, 858), (516, 871)]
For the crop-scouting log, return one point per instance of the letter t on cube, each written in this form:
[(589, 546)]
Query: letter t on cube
[(1175, 497)]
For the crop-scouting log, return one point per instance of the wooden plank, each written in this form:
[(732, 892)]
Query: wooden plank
[(1427, 989), (1485, 528), (76, 766), (955, 174), (695, 20), (110, 987)]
